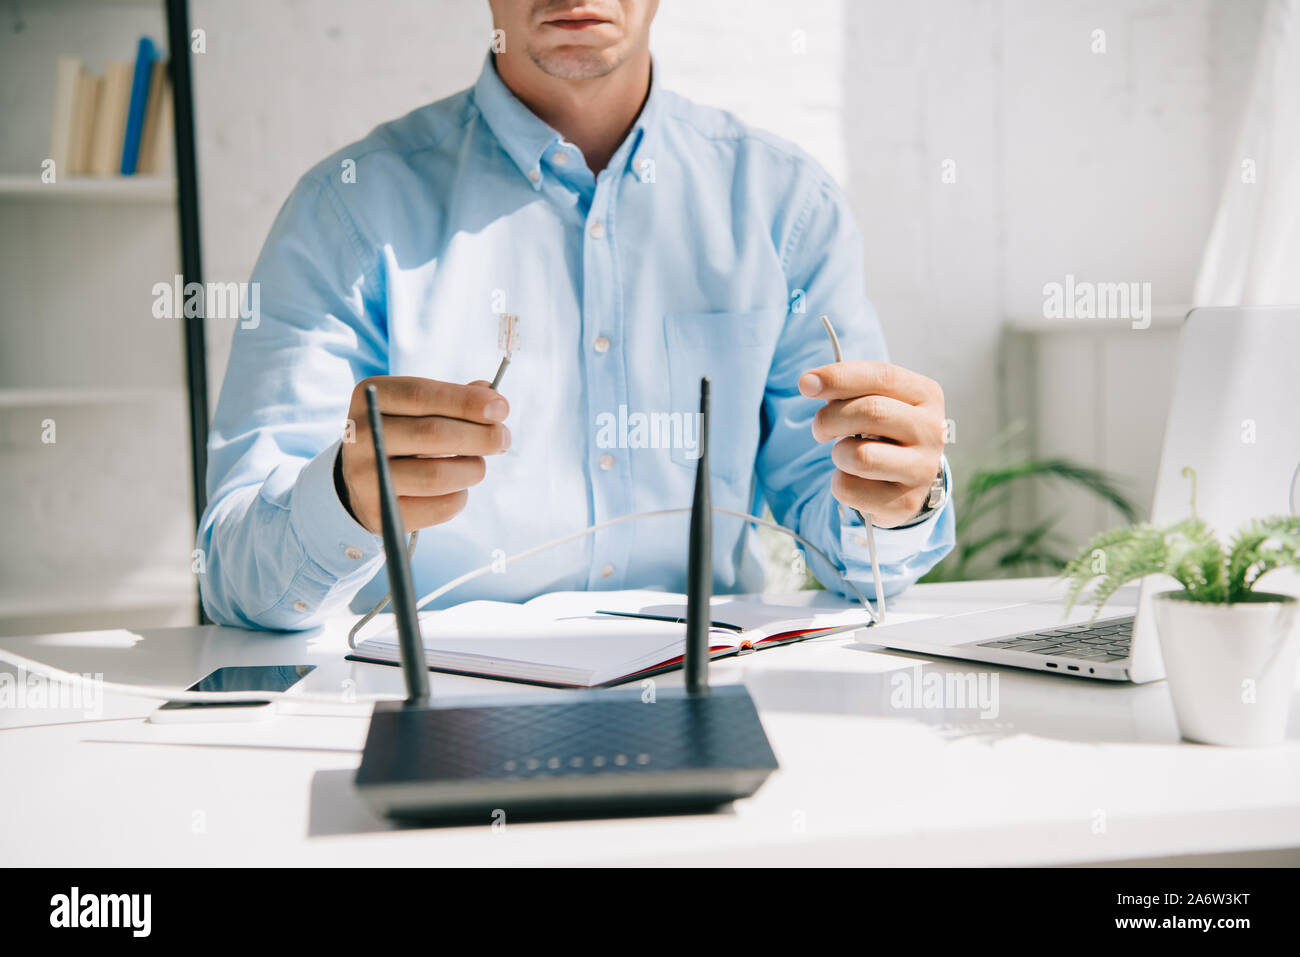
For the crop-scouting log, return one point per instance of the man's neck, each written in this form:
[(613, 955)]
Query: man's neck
[(594, 115)]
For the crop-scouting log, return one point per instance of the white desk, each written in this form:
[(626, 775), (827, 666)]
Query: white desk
[(1069, 770)]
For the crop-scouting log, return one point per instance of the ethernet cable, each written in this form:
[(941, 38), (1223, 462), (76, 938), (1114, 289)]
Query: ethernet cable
[(180, 694), (865, 519), (510, 339), (591, 530)]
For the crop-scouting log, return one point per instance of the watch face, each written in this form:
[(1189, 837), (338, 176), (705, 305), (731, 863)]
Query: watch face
[(936, 493)]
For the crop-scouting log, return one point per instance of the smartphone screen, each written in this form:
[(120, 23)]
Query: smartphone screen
[(243, 678)]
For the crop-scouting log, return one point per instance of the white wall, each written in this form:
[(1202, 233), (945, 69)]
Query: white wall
[(1100, 165), (1067, 161)]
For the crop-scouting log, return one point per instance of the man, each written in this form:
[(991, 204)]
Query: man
[(644, 242)]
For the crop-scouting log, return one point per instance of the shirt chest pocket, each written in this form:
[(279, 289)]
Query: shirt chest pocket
[(734, 349)]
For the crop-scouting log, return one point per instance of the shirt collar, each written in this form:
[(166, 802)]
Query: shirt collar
[(526, 137)]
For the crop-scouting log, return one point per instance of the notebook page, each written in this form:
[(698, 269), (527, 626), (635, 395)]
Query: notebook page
[(521, 641), (759, 619)]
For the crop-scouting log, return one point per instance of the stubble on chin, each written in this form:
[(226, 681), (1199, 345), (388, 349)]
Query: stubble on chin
[(575, 63)]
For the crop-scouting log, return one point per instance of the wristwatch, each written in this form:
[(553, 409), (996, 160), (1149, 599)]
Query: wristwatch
[(933, 501)]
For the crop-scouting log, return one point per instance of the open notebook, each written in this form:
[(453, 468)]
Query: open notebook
[(561, 639)]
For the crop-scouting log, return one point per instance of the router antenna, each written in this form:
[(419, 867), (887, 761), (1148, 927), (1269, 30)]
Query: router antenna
[(399, 571), (699, 563)]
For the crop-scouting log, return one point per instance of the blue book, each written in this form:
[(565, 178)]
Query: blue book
[(145, 56)]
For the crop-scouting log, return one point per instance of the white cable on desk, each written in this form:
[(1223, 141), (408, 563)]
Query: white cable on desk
[(590, 530), (181, 694)]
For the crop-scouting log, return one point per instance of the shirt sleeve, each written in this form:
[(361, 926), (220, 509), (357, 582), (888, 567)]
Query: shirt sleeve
[(822, 258), (277, 547)]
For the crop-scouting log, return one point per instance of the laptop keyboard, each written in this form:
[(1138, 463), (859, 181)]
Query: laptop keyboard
[(1102, 641)]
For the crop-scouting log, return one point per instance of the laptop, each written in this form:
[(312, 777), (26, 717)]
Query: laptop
[(1235, 419)]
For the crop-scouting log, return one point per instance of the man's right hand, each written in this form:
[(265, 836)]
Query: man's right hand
[(436, 435)]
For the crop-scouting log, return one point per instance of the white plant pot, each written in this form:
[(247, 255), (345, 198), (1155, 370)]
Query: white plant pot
[(1231, 668)]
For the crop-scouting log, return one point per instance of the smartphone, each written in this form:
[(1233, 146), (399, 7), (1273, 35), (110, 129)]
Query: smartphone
[(237, 678)]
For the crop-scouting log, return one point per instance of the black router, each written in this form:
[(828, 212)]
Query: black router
[(588, 754)]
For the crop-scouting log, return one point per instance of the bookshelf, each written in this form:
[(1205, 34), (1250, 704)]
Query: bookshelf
[(103, 405), (118, 189), (73, 396)]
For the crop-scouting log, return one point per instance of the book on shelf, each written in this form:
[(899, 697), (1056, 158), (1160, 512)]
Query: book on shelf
[(110, 120), (156, 136), (82, 135), (67, 86), (117, 124), (141, 78)]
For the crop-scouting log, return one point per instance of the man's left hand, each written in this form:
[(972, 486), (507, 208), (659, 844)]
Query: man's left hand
[(888, 426)]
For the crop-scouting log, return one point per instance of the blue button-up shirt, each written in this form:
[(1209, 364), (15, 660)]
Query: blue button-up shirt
[(703, 248)]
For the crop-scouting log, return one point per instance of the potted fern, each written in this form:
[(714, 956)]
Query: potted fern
[(1229, 649)]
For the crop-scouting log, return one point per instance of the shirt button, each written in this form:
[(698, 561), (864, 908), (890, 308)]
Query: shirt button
[(607, 462), (601, 344), (300, 606), (597, 230), (607, 571), (353, 553), (534, 175), (560, 158)]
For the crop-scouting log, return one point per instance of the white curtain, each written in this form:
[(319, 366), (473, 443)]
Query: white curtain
[(1253, 253)]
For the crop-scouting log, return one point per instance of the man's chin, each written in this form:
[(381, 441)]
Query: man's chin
[(575, 62)]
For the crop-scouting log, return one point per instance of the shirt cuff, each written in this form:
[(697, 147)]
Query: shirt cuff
[(893, 545), (330, 536)]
